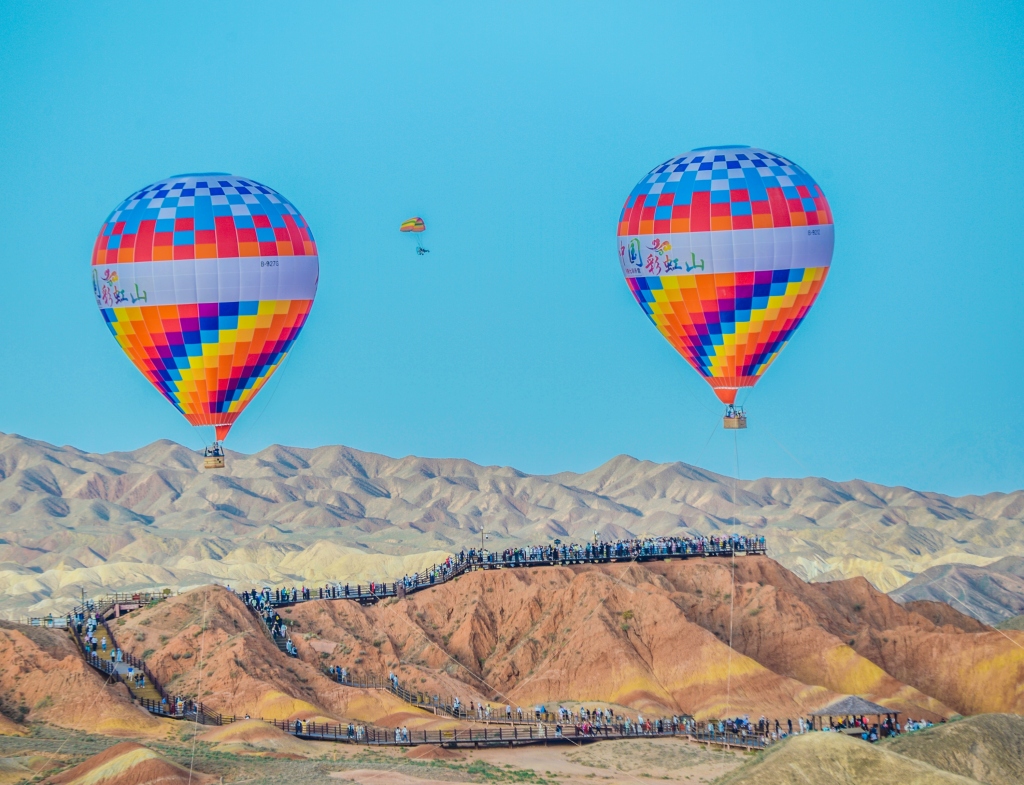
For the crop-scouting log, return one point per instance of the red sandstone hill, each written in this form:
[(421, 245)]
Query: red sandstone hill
[(651, 636), (44, 678), (128, 763), (206, 645), (853, 639)]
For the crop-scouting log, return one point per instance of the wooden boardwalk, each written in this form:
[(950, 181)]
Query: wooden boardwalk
[(515, 734), (519, 558), (124, 669), (497, 730)]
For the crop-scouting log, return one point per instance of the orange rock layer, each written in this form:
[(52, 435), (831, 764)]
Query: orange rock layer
[(654, 637)]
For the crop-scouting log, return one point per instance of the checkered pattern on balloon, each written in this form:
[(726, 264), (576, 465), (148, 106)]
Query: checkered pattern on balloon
[(206, 281), (726, 249)]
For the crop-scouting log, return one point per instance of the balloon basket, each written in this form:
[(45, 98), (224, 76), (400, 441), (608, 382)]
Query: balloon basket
[(213, 457), (735, 419)]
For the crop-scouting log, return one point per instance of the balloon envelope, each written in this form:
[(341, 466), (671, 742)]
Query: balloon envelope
[(726, 249), (205, 280), (412, 225)]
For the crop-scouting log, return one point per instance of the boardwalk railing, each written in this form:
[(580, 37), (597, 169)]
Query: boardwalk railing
[(596, 553), (103, 665), (186, 710), (100, 606), (546, 730), (133, 661), (439, 705), (108, 663), (518, 734), (280, 641), (534, 728), (547, 556)]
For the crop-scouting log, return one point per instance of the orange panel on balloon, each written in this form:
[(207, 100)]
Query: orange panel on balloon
[(732, 341), (208, 374)]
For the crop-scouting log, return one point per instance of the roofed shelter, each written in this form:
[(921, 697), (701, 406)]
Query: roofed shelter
[(855, 706)]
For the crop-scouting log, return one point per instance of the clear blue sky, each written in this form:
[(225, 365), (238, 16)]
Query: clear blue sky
[(517, 133)]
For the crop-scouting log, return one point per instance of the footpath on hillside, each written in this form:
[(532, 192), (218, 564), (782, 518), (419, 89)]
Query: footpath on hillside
[(559, 554), (90, 625)]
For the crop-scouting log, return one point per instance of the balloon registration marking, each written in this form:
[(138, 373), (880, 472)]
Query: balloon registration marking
[(205, 281), (726, 249)]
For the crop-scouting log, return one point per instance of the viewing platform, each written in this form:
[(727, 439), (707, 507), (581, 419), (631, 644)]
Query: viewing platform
[(557, 555)]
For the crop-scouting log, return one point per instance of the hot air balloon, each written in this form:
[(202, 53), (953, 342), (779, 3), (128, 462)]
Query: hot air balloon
[(416, 226), (206, 280), (725, 249)]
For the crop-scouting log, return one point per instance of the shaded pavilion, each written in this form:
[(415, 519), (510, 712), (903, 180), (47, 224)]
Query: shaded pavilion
[(852, 706)]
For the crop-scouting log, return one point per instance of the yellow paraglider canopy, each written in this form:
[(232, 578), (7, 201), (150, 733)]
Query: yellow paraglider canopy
[(413, 225)]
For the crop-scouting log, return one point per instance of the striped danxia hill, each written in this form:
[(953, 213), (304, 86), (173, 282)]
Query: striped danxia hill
[(651, 637)]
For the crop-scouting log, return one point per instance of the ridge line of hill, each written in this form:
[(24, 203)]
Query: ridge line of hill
[(153, 518)]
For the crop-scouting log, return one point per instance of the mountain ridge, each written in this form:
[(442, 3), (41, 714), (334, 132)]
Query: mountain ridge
[(152, 517)]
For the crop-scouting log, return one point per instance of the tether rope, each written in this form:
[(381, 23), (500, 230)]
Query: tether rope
[(494, 690), (501, 694), (705, 447), (964, 606), (732, 586), (783, 447), (199, 688)]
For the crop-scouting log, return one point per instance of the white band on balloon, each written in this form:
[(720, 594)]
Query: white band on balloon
[(187, 281), (731, 251)]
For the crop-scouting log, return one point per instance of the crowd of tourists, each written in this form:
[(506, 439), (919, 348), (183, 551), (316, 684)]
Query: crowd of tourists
[(620, 549), (534, 555), (262, 605), (872, 731), (87, 628), (353, 731), (739, 729), (603, 720), (177, 705)]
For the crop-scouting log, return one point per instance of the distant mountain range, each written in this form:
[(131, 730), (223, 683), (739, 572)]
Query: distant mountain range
[(73, 521), (991, 594)]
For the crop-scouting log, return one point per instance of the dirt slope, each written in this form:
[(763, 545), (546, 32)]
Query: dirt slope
[(555, 634), (849, 637), (793, 628), (827, 758), (974, 673), (989, 748), (242, 672), (256, 737), (128, 763), (654, 636), (650, 636), (940, 614), (9, 727), (43, 678)]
